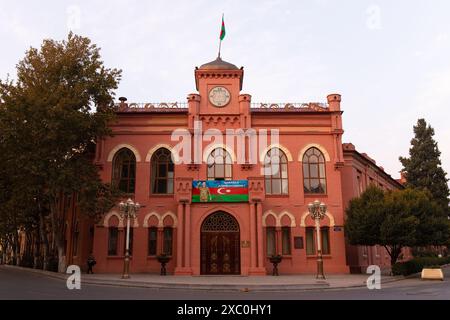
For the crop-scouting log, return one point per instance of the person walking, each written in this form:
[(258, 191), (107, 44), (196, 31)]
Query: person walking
[(91, 263)]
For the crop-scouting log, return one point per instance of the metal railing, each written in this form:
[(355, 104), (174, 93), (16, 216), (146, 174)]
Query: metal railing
[(181, 106), (153, 106), (290, 106)]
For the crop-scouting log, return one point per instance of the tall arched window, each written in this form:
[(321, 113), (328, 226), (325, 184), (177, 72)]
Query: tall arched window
[(124, 170), (113, 240), (163, 171), (220, 165), (276, 172), (314, 176)]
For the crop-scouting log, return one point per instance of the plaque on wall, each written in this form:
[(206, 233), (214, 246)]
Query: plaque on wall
[(298, 243), (245, 244), (337, 229)]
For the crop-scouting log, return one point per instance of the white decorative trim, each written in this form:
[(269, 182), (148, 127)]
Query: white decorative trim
[(161, 219), (175, 157), (290, 215), (213, 147), (278, 218), (109, 216), (314, 145), (170, 214), (122, 222), (113, 152), (269, 213), (307, 214), (286, 151), (152, 214)]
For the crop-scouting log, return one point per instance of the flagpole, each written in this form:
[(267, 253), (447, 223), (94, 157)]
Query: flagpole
[(220, 40)]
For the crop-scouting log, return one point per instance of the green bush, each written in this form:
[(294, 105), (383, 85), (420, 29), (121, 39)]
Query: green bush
[(421, 253), (416, 265)]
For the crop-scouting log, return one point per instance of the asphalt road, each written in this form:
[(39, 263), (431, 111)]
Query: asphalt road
[(22, 285)]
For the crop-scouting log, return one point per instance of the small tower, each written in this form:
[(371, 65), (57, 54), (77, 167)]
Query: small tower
[(219, 84)]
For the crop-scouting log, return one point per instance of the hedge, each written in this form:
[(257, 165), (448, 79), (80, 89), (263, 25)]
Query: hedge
[(417, 264)]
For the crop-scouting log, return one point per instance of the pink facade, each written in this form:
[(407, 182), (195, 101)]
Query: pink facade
[(359, 172), (222, 237)]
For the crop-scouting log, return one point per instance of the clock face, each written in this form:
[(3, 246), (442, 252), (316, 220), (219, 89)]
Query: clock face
[(219, 97)]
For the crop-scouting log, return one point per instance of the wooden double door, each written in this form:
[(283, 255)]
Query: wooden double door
[(220, 245)]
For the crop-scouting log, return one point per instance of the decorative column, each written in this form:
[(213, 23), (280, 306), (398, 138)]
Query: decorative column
[(244, 110), (180, 237), (183, 196), (260, 235), (256, 195), (253, 240), (334, 103), (187, 236), (279, 240), (160, 248)]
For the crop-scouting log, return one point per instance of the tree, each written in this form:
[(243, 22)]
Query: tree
[(52, 116), (364, 217), (396, 219), (423, 168)]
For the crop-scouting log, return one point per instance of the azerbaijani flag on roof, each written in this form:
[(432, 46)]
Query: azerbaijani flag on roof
[(220, 191), (222, 31)]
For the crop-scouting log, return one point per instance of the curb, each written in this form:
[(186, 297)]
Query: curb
[(49, 274), (201, 287)]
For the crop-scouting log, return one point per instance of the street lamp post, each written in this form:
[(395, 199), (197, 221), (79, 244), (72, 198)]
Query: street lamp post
[(318, 210), (128, 210)]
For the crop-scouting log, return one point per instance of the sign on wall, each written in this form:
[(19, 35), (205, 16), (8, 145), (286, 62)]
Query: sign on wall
[(220, 191), (298, 243)]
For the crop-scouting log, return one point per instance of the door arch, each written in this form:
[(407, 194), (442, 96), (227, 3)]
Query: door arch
[(220, 245)]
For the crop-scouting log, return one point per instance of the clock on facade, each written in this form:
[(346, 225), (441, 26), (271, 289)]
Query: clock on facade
[(219, 97)]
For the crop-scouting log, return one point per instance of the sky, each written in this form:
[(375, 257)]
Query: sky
[(390, 60)]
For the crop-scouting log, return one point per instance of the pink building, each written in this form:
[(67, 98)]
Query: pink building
[(220, 213), (359, 172)]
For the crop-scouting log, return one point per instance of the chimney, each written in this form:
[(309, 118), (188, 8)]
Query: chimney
[(123, 105), (403, 177)]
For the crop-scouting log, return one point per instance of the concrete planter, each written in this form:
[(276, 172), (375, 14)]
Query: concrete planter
[(432, 274)]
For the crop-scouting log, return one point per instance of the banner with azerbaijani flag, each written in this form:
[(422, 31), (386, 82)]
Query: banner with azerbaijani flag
[(220, 191)]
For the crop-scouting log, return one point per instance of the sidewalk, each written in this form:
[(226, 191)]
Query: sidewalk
[(217, 283)]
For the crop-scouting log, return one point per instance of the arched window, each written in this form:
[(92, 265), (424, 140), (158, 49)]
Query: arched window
[(271, 247), (220, 165), (168, 240), (311, 240), (286, 241), (314, 176), (276, 172), (113, 240), (163, 171), (124, 170)]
